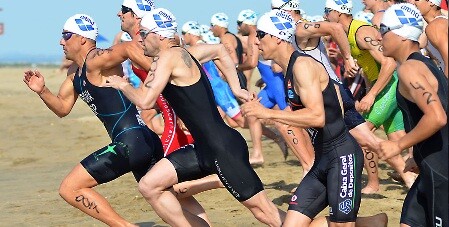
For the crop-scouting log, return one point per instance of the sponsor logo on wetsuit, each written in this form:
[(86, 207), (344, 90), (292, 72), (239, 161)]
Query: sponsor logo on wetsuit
[(347, 183), (87, 98), (438, 222), (293, 200), (312, 134), (225, 181)]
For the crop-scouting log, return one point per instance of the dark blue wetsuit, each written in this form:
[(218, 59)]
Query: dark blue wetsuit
[(219, 148), (335, 177), (426, 204), (134, 147)]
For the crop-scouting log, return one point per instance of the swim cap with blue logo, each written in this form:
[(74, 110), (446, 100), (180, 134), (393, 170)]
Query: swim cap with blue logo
[(277, 23), (342, 6), (220, 19), (247, 16), (364, 16), (404, 20), (82, 25), (160, 21), (139, 7), (436, 2), (191, 27), (285, 4), (125, 37)]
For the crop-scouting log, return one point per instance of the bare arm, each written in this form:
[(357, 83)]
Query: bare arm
[(160, 72), (417, 88), (229, 43), (437, 34), (62, 103), (366, 39), (222, 59), (308, 86), (252, 54)]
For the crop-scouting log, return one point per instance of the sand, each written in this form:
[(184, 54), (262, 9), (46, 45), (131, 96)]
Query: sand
[(38, 149)]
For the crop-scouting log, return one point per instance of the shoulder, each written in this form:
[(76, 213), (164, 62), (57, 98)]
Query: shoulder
[(409, 68), (436, 26)]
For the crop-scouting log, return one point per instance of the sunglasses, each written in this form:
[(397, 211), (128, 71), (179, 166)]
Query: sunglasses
[(383, 29), (126, 10), (327, 11), (260, 34), (67, 35), (239, 23), (144, 33)]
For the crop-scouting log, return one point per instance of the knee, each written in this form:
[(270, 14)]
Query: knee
[(147, 188), (65, 188)]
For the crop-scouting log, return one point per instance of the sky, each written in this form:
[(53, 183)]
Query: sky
[(32, 29)]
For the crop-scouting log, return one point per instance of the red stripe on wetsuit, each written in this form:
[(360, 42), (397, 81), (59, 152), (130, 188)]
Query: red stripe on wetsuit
[(173, 136)]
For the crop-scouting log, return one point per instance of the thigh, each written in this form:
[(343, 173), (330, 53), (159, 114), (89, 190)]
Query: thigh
[(310, 197), (107, 163), (186, 163), (384, 105)]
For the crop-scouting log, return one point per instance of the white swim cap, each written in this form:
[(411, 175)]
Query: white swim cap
[(277, 23), (220, 19), (139, 7), (82, 25), (404, 20), (285, 4), (209, 38), (125, 37), (204, 28), (342, 6), (191, 27), (160, 21), (436, 2), (247, 16), (364, 16)]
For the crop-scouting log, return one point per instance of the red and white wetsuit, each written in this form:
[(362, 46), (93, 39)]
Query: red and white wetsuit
[(173, 136)]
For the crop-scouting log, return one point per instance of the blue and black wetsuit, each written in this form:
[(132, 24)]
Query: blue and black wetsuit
[(426, 204), (219, 148), (134, 147), (335, 177)]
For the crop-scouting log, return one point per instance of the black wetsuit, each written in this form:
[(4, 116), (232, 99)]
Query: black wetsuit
[(134, 147), (239, 51), (219, 148), (426, 204), (335, 177)]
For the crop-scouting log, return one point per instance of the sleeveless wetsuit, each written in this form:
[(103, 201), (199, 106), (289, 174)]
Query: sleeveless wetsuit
[(173, 136), (134, 147), (335, 177), (426, 204), (222, 92), (352, 117), (239, 51), (220, 149), (384, 110), (273, 92)]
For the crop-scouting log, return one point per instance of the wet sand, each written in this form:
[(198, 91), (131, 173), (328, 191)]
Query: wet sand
[(38, 149)]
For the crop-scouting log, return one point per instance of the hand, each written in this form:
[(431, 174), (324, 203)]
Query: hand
[(411, 166), (388, 149), (34, 80), (116, 82), (351, 67), (244, 95), (254, 108), (366, 103)]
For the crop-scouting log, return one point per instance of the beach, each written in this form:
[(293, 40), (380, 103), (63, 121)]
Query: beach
[(38, 149)]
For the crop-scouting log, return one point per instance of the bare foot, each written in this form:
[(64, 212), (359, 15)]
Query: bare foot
[(256, 161), (293, 190), (370, 189)]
